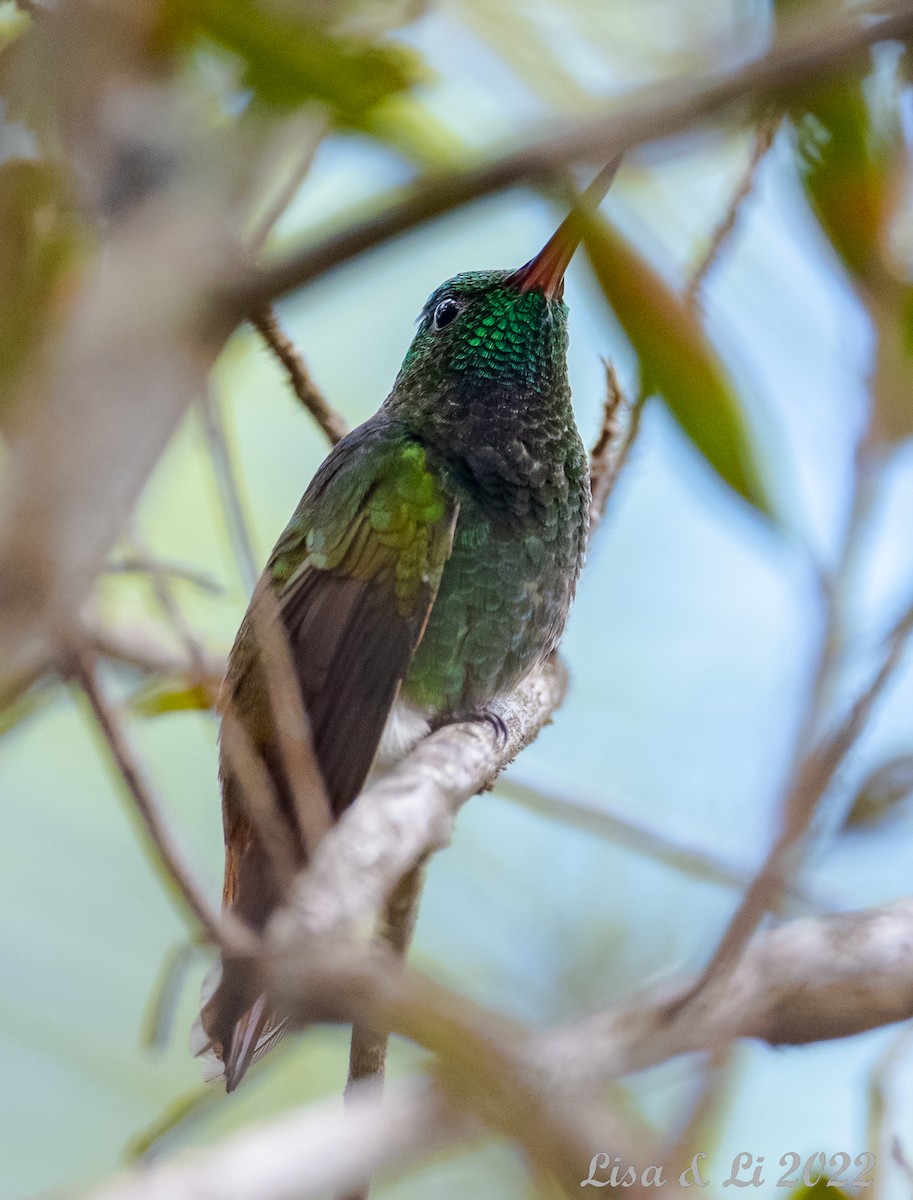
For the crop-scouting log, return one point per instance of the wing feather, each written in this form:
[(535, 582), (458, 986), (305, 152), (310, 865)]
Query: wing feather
[(355, 576)]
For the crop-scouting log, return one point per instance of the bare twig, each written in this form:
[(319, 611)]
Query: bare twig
[(162, 588), (258, 794), (611, 447), (166, 846), (306, 142), (290, 722), (608, 823), (330, 421), (762, 141), (137, 565), (810, 784), (818, 45), (165, 995), (368, 1052), (138, 647), (227, 483)]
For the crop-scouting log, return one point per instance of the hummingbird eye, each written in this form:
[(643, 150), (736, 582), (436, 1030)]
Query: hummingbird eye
[(445, 312)]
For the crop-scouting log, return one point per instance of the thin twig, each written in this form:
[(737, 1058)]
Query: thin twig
[(330, 421), (806, 981), (611, 447), (226, 477), (306, 144), (136, 565), (879, 1083), (139, 648), (368, 1051), (166, 846), (762, 141), (818, 46), (165, 995), (811, 782), (290, 721), (257, 794), (603, 822), (161, 586)]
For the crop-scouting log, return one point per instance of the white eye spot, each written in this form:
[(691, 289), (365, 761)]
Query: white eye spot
[(445, 312)]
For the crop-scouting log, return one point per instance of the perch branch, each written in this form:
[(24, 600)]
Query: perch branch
[(408, 814)]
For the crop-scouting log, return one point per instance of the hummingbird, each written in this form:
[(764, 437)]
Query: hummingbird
[(428, 569)]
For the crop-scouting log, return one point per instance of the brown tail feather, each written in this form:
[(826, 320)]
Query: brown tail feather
[(245, 1041)]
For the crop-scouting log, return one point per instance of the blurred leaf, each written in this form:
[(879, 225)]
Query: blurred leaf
[(676, 360), (289, 58), (157, 699), (39, 241), (821, 1190), (848, 170), (891, 310), (878, 797), (34, 701)]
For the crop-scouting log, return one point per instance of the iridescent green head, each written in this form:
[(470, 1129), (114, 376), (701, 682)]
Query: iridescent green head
[(479, 328), (490, 354)]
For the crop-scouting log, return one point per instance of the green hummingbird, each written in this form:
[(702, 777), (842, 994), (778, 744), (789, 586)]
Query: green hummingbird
[(427, 570)]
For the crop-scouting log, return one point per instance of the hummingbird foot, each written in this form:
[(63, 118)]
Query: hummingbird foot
[(477, 716)]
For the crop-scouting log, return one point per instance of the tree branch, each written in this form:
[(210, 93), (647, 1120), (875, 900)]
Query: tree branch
[(219, 930), (808, 981), (821, 977), (332, 423), (816, 47), (405, 816)]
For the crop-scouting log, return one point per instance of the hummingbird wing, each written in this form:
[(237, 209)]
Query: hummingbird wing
[(356, 574), (354, 577)]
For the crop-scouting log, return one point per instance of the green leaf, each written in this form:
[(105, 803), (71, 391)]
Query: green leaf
[(848, 168), (887, 787), (820, 1190), (158, 699), (676, 360), (30, 704), (289, 58)]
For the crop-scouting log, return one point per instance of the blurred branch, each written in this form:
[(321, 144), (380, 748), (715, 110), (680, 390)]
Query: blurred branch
[(763, 139), (619, 426), (808, 981), (813, 777), (221, 931), (330, 421), (817, 45), (822, 977), (306, 1152), (305, 136), (368, 1051), (603, 822), (137, 565), (227, 484), (139, 648)]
